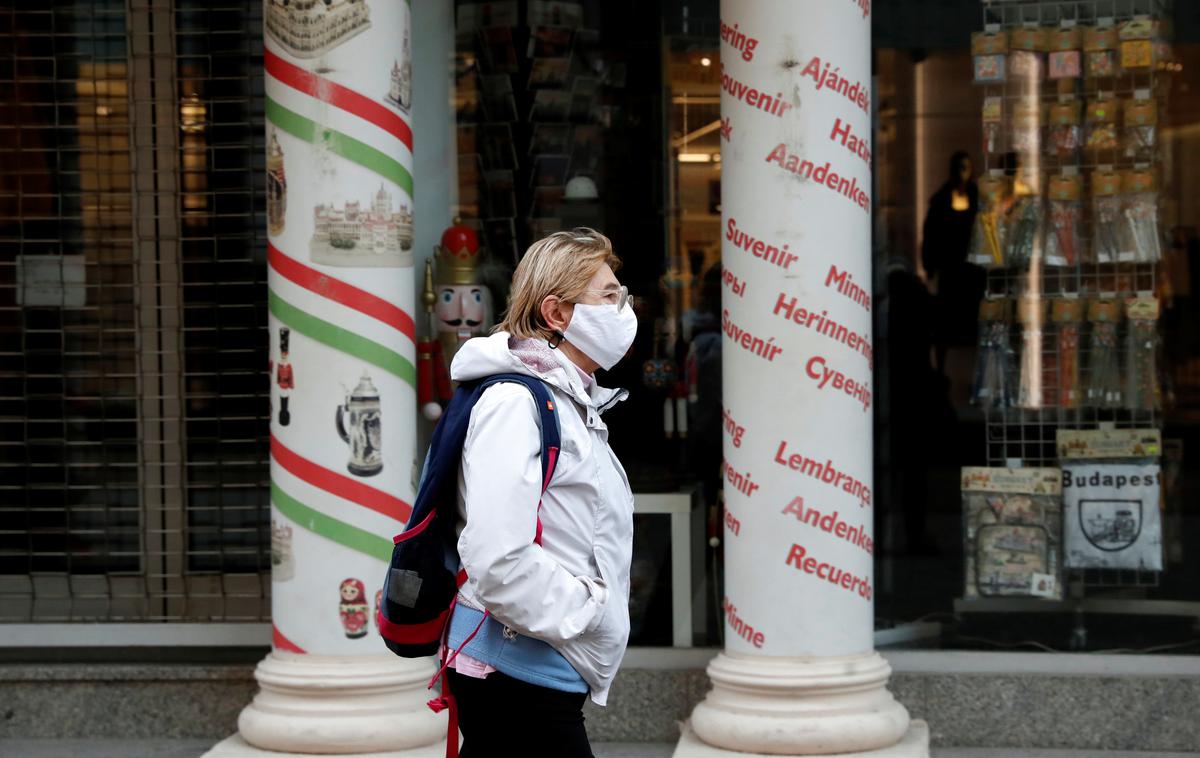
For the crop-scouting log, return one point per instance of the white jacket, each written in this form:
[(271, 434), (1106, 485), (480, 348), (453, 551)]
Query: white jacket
[(572, 591)]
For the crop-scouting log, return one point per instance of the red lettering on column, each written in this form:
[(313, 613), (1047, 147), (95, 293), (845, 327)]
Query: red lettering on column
[(762, 348), (790, 310), (822, 175), (740, 627), (831, 523), (732, 524), (773, 105), (738, 40), (735, 285), (825, 77), (780, 256), (820, 372), (845, 134), (845, 285), (742, 482), (825, 472), (799, 559), (733, 428)]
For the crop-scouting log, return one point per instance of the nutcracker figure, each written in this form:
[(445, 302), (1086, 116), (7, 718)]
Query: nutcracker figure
[(284, 377), (462, 306), (353, 608), (459, 308)]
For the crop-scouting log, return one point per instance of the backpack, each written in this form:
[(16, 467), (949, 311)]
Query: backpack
[(424, 573)]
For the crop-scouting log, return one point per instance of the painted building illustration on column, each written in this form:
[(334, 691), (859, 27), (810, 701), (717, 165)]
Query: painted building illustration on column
[(400, 91), (308, 28), (340, 235), (283, 562), (351, 235), (276, 187)]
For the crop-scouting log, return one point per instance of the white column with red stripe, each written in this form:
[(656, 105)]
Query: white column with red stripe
[(799, 674), (343, 402)]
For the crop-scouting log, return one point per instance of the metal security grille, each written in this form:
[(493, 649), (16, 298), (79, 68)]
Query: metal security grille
[(133, 389)]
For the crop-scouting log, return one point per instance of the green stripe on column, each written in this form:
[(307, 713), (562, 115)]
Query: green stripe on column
[(342, 339), (342, 144), (330, 528)]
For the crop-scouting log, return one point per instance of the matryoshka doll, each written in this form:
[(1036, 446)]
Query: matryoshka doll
[(354, 608)]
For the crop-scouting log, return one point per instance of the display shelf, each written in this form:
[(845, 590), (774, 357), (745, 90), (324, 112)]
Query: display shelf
[(1019, 154)]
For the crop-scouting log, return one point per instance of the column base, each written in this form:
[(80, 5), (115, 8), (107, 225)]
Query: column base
[(915, 744), (311, 704), (236, 747), (800, 706)]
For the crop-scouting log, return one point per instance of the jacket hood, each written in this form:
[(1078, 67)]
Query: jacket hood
[(500, 353)]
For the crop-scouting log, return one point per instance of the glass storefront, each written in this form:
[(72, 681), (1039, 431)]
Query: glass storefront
[(1037, 371)]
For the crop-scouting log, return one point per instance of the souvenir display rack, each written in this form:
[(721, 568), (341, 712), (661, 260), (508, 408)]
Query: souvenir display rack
[(535, 91), (1023, 432)]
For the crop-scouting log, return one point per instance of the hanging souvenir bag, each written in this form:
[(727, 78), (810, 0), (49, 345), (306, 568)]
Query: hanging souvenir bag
[(1101, 128), (1066, 132), (993, 124), (1012, 527), (989, 55), (994, 384), (1064, 238), (1141, 128), (1067, 314), (1112, 500), (1137, 45), (987, 234), (1104, 384), (1100, 52), (1142, 391), (1025, 228), (1140, 240), (1107, 217), (1066, 57)]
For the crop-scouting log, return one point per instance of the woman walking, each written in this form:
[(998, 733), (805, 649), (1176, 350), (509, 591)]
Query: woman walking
[(558, 617)]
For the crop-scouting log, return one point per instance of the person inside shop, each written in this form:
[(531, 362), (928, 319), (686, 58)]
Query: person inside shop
[(958, 286), (919, 415), (557, 608)]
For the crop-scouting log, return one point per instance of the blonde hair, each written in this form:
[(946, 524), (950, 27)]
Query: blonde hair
[(562, 264)]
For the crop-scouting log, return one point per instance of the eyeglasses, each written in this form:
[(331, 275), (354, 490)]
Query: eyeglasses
[(619, 297)]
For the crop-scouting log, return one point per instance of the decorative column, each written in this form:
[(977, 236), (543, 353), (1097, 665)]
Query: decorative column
[(799, 674), (343, 418)]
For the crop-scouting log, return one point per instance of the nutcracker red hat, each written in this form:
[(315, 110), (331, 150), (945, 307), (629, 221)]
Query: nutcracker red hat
[(458, 255)]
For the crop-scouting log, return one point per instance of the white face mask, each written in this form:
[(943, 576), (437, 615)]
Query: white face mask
[(602, 332)]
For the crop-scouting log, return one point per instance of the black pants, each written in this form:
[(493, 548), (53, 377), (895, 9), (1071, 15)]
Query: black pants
[(501, 716)]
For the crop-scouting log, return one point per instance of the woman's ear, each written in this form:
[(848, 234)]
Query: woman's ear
[(556, 313)]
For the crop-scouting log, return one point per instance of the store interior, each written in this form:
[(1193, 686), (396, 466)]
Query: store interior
[(994, 321)]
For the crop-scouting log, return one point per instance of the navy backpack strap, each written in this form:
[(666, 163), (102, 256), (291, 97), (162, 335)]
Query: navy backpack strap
[(547, 419)]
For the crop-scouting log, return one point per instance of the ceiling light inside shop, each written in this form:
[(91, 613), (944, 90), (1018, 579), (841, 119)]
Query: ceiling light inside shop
[(695, 158), (706, 61)]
